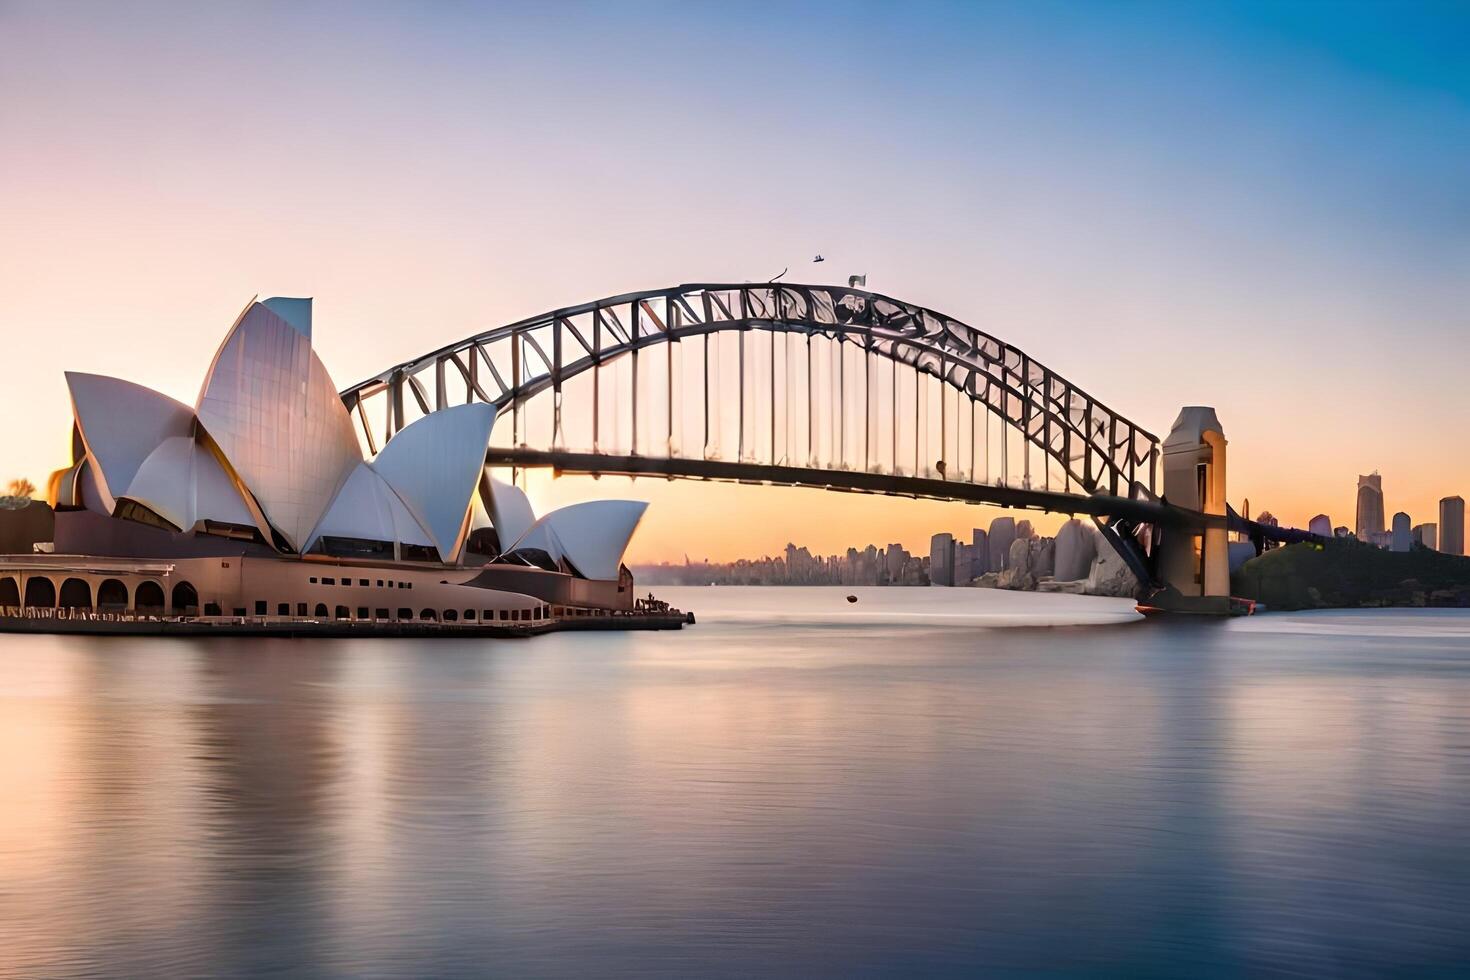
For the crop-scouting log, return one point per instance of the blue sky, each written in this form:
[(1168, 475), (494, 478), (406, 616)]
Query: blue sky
[(1263, 207)]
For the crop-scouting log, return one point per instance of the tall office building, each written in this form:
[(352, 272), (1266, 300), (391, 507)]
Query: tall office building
[(1370, 507), (1400, 538), (1452, 525), (1002, 533), (1427, 535), (980, 557), (941, 559), (964, 563), (894, 559)]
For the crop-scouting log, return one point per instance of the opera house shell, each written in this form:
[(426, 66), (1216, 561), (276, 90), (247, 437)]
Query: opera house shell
[(258, 501)]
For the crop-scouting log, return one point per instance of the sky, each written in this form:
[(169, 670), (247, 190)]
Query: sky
[(1260, 207)]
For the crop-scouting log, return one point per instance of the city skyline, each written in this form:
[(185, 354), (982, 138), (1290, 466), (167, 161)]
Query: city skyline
[(1125, 191)]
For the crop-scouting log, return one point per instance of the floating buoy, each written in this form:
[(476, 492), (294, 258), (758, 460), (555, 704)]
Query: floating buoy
[(852, 598)]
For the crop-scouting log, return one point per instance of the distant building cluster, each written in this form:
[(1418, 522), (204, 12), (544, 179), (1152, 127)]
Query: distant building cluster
[(1008, 554), (1399, 532), (892, 565)]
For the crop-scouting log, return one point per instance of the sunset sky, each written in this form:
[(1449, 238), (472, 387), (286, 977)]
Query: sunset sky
[(1260, 207)]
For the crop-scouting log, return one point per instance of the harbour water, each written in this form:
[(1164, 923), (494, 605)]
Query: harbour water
[(922, 781)]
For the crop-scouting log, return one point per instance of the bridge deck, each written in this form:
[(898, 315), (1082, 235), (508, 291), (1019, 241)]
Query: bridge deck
[(851, 481)]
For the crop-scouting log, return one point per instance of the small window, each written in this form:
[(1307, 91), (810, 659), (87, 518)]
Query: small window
[(321, 610), (343, 612), (450, 616), (329, 581), (427, 614), (380, 614), (405, 614), (239, 610), (313, 580), (284, 609), (362, 612), (504, 615), (347, 582), (408, 585), (362, 581), (260, 607), (211, 609), (301, 609), (380, 583), (487, 614), (515, 615), (469, 614)]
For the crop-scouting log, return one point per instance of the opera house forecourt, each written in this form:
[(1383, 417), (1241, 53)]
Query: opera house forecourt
[(256, 511)]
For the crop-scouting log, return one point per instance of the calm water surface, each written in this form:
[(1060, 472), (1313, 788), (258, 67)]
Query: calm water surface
[(798, 785)]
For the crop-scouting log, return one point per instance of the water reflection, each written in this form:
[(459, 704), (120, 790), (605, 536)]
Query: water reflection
[(814, 797)]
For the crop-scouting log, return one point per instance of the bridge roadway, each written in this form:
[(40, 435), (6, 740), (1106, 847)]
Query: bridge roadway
[(854, 481)]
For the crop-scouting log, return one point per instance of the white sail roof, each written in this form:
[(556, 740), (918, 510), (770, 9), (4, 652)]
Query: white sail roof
[(296, 312), (510, 512), (183, 483), (590, 536), (367, 507), (121, 423), (272, 409), (435, 464)]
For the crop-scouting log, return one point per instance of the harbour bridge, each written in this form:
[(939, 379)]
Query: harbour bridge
[(818, 386)]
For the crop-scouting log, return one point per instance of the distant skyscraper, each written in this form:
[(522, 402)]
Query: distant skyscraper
[(1002, 533), (1401, 532), (1452, 525), (964, 563), (1426, 534), (894, 558), (1321, 524), (1370, 506), (980, 559), (941, 559)]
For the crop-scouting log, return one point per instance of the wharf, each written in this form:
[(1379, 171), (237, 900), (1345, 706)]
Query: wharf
[(76, 622)]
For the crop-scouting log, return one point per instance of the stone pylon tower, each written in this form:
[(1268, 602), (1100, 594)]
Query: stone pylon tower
[(1196, 562)]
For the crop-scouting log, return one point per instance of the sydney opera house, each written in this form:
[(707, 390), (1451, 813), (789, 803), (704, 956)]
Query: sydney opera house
[(258, 504)]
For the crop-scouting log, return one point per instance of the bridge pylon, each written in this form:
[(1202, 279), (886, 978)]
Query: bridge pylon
[(1194, 563)]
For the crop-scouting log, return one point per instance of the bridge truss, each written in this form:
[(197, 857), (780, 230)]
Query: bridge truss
[(819, 385)]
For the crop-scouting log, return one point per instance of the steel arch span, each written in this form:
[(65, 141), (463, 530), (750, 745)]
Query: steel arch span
[(807, 384)]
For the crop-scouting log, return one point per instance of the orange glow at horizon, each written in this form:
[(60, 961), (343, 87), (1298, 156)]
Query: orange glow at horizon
[(1200, 228)]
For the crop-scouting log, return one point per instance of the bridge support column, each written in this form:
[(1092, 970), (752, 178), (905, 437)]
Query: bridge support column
[(1195, 563)]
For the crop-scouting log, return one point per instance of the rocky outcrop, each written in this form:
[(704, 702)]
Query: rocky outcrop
[(1043, 557), (1111, 576), (1076, 550), (1017, 574)]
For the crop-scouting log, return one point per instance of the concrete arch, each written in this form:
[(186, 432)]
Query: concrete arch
[(112, 595), (9, 591), (183, 598), (148, 597), (75, 593), (40, 592)]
